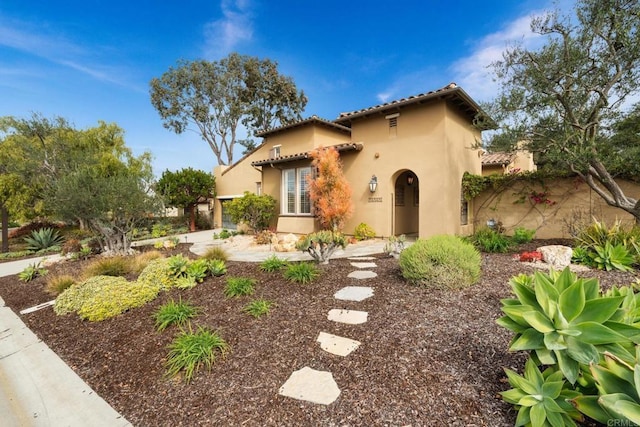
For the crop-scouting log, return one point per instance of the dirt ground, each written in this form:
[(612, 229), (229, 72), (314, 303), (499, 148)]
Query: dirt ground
[(428, 357)]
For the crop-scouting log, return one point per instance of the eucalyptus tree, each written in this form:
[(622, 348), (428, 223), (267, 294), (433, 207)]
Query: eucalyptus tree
[(562, 99), (213, 98)]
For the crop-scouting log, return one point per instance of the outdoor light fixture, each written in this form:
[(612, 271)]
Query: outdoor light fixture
[(410, 179), (373, 184)]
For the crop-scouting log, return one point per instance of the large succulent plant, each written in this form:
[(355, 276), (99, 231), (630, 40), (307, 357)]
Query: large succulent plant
[(565, 320)]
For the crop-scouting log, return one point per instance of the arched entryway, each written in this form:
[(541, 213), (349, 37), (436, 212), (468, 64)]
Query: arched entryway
[(406, 203)]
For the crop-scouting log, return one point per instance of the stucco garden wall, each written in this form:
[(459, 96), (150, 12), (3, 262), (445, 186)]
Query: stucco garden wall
[(550, 208)]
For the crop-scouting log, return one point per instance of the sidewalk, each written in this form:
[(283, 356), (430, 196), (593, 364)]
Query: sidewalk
[(38, 389)]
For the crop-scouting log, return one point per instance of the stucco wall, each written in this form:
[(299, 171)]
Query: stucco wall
[(569, 201)]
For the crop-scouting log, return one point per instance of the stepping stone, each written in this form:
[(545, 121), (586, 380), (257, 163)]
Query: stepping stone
[(361, 258), (364, 264), (351, 317), (334, 344), (354, 293), (312, 386), (363, 274)]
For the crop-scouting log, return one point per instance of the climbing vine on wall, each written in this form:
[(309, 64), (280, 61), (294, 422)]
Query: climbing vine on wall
[(473, 185)]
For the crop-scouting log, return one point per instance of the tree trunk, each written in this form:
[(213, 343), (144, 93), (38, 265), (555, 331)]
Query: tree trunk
[(5, 229), (192, 218)]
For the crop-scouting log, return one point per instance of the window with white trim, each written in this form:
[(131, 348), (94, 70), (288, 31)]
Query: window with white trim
[(295, 191)]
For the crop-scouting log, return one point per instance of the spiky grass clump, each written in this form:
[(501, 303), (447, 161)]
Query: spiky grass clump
[(174, 313), (116, 266), (57, 284), (239, 286), (273, 263), (258, 307), (301, 272), (216, 252), (190, 350)]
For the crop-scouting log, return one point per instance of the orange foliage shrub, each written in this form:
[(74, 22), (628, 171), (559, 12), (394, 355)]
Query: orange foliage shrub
[(330, 191)]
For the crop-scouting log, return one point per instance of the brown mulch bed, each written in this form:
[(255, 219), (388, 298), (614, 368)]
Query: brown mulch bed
[(427, 356)]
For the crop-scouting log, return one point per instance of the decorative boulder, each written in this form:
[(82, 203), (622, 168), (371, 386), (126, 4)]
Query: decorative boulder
[(557, 256), (286, 243)]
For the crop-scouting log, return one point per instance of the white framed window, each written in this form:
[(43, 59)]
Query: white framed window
[(295, 191)]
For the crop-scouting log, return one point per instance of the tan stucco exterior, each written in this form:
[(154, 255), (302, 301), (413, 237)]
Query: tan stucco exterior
[(429, 137)]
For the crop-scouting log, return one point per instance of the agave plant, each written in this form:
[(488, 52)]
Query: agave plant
[(566, 321), (618, 384), (541, 398), (198, 270), (217, 267), (43, 239), (178, 265), (610, 257)]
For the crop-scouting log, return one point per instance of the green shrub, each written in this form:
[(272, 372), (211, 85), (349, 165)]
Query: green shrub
[(57, 284), (160, 230), (301, 272), (489, 240), (322, 244), (364, 232), (441, 262), (174, 313), (215, 252), (239, 286), (190, 350), (273, 263), (42, 239), (32, 271), (523, 235), (216, 267), (257, 308), (109, 266), (255, 211)]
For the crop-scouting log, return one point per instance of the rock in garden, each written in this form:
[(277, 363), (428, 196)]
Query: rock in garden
[(557, 256)]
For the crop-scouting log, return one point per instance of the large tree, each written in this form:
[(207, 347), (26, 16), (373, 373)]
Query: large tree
[(560, 100), (215, 97), (51, 169), (184, 188)]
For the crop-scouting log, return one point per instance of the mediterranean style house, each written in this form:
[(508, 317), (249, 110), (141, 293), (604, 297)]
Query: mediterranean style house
[(404, 160)]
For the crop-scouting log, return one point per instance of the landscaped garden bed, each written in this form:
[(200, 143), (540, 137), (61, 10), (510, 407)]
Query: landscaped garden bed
[(427, 356)]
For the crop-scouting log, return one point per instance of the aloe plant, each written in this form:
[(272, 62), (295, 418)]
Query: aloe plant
[(541, 398), (566, 321), (618, 384), (43, 239)]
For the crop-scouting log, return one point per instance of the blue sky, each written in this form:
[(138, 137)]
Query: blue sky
[(92, 60)]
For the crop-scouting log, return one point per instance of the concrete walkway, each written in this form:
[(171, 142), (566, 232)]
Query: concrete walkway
[(38, 389)]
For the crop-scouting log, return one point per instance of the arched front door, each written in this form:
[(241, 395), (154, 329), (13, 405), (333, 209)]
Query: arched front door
[(406, 203)]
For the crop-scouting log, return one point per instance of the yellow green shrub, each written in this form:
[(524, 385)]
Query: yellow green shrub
[(158, 273)]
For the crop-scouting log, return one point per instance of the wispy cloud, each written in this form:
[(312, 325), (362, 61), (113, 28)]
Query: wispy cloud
[(235, 26), (57, 49)]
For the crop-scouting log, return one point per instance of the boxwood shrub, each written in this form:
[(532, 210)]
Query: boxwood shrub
[(441, 262)]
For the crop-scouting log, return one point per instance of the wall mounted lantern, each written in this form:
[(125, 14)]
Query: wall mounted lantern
[(410, 179), (373, 184)]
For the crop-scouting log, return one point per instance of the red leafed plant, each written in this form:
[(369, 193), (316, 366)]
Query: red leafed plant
[(530, 256)]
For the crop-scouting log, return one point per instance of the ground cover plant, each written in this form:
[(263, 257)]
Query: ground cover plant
[(428, 356)]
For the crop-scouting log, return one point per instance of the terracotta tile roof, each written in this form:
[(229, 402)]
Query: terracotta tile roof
[(351, 146), (450, 92), (313, 119), (499, 158)]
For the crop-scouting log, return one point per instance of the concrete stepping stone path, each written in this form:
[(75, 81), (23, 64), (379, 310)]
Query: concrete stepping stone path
[(354, 293), (312, 386), (362, 274), (361, 258), (364, 264), (339, 346), (350, 317)]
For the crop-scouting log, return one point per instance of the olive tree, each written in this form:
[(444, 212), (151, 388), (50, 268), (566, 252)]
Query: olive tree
[(560, 100)]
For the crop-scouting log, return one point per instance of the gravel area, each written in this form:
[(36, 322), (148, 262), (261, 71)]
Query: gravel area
[(427, 356)]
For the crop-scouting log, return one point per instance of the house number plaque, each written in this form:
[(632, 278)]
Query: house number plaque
[(375, 199)]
